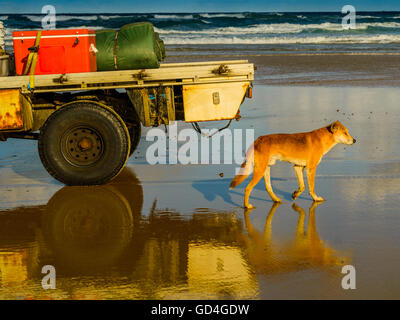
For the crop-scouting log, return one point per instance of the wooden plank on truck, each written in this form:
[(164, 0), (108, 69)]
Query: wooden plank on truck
[(173, 74)]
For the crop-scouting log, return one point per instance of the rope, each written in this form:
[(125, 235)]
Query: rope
[(196, 127)]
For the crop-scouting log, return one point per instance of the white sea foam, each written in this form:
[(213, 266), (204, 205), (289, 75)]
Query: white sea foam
[(222, 15), (103, 17), (367, 17), (381, 39), (7, 37), (278, 28), (173, 16), (111, 17), (39, 18), (3, 18), (66, 18)]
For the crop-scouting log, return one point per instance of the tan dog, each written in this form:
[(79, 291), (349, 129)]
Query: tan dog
[(302, 149)]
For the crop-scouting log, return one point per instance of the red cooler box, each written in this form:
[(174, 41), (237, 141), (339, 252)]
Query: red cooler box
[(60, 51)]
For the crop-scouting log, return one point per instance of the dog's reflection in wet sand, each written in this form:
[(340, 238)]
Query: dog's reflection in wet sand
[(305, 251)]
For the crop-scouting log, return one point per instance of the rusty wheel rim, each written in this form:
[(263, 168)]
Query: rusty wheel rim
[(82, 146)]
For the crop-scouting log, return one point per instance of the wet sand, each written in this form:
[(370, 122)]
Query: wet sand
[(177, 232), (328, 69)]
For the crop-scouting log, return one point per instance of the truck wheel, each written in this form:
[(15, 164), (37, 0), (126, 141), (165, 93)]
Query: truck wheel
[(84, 143)]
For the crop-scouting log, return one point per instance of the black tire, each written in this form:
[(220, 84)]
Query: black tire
[(84, 143)]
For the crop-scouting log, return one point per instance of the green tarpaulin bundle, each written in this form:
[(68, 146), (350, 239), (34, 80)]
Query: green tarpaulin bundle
[(134, 46)]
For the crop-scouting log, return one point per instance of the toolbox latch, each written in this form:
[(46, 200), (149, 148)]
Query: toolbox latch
[(216, 99)]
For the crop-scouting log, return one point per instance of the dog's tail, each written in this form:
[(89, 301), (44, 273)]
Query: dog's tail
[(245, 168)]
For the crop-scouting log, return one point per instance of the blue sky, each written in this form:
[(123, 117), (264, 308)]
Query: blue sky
[(133, 6)]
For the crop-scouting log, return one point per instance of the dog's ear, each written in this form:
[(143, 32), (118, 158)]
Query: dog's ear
[(333, 127)]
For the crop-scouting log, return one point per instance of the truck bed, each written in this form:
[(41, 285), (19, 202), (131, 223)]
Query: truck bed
[(168, 74)]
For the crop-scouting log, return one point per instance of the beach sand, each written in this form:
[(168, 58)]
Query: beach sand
[(176, 231), (331, 69)]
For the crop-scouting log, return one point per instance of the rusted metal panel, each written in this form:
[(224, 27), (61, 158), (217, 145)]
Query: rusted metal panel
[(15, 111), (154, 106), (208, 102)]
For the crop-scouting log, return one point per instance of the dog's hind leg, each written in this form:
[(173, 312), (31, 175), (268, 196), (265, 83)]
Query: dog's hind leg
[(267, 179), (300, 178), (257, 175)]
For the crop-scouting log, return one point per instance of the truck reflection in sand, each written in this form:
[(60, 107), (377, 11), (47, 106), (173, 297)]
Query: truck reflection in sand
[(104, 248)]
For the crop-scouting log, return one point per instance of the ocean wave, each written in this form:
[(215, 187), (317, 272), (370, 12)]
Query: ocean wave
[(136, 16), (276, 28), (173, 16), (367, 17), (67, 18), (223, 15), (3, 18), (225, 28), (103, 17), (381, 39), (38, 18)]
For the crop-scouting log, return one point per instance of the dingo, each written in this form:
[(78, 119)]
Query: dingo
[(302, 149)]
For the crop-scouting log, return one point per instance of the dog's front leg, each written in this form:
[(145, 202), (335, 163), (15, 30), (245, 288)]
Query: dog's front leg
[(300, 178), (311, 182)]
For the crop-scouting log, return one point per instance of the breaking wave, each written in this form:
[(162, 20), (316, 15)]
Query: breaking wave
[(236, 27), (282, 40), (38, 18)]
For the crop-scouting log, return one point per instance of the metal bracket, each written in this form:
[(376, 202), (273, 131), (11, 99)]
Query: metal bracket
[(221, 70), (140, 76), (61, 79)]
